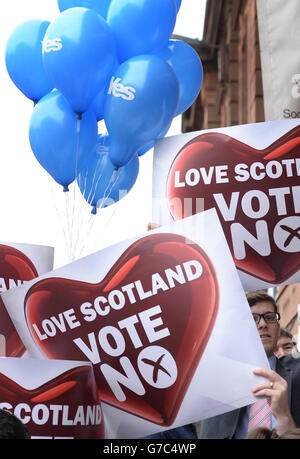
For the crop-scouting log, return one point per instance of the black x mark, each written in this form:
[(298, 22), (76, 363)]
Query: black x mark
[(293, 233), (156, 366)]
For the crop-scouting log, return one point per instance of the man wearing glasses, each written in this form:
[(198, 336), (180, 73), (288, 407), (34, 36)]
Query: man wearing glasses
[(286, 343), (278, 402)]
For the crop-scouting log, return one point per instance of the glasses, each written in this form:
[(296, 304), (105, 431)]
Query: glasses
[(269, 317)]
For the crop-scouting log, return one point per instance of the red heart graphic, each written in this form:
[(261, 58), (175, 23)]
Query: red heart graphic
[(179, 332), (43, 408), (278, 225), (15, 266)]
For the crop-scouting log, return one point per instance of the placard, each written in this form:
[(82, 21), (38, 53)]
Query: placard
[(162, 317), (54, 399), (19, 263), (250, 175)]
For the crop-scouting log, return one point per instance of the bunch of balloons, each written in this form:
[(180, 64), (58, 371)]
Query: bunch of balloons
[(111, 60)]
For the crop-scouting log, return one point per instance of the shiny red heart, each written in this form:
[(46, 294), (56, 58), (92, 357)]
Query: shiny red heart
[(73, 388), (14, 266), (188, 310), (216, 149)]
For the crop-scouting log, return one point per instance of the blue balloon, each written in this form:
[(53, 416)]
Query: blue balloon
[(140, 104), (98, 104), (101, 6), (178, 4), (99, 100), (188, 69), (79, 55), (24, 59), (100, 182), (150, 145), (59, 141), (141, 26)]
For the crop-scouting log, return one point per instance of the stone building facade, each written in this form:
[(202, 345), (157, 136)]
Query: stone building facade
[(232, 92)]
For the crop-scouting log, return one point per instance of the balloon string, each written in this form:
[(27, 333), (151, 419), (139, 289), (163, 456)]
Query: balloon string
[(85, 222), (60, 216), (95, 182), (73, 216), (101, 150), (80, 210), (90, 223), (92, 218), (84, 213), (68, 223), (112, 182)]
